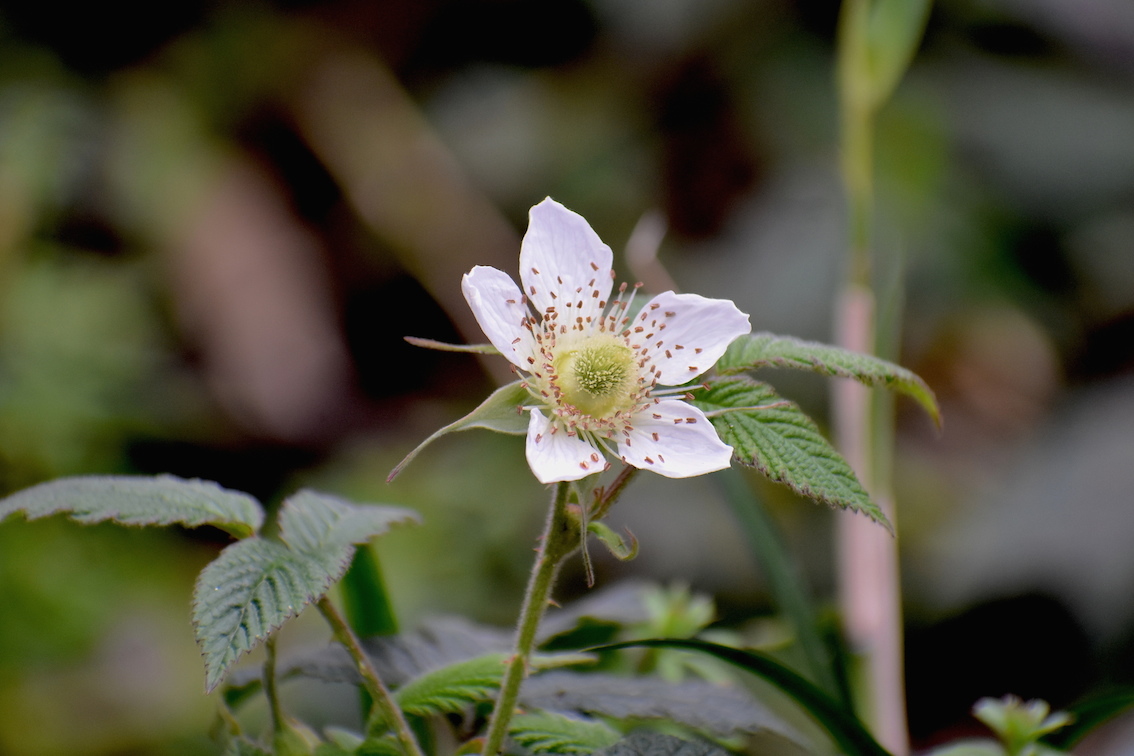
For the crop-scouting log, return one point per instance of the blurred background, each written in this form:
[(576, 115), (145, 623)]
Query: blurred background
[(219, 219)]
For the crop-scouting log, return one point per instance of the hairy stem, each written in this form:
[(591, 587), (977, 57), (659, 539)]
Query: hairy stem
[(560, 538), (370, 680)]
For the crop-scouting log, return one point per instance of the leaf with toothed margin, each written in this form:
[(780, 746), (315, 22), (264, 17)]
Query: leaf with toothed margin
[(758, 350), (256, 585), (547, 732), (139, 500), (773, 435), (500, 412), (441, 346)]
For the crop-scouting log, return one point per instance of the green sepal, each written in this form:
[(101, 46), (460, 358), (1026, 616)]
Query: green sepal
[(500, 412), (773, 435), (613, 541), (441, 346), (759, 350)]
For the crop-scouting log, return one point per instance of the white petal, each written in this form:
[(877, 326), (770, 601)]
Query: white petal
[(676, 440), (555, 457), (690, 333), (563, 263), (499, 309)]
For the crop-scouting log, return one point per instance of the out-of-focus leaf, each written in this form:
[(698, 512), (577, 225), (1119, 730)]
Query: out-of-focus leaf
[(397, 658), (894, 31), (758, 350), (787, 587), (848, 732), (774, 436), (647, 743), (500, 412), (877, 41), (545, 732), (128, 500), (716, 709)]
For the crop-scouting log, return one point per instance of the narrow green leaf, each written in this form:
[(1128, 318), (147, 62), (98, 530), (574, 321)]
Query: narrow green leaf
[(894, 31), (321, 524), (441, 346), (768, 350), (129, 500), (785, 581), (251, 589), (365, 599), (545, 732), (847, 731), (783, 443), (500, 412)]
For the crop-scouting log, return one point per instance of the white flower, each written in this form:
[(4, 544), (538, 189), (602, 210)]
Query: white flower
[(594, 374)]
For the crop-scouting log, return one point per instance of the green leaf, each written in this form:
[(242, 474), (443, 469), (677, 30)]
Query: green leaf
[(768, 350), (441, 346), (774, 436), (788, 590), (323, 525), (848, 732), (545, 732), (719, 710), (647, 743), (252, 588), (256, 585), (894, 31), (453, 687), (129, 500), (500, 412)]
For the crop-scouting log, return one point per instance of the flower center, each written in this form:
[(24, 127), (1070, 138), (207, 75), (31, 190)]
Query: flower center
[(598, 377)]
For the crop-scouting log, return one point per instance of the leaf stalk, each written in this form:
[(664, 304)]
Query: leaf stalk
[(370, 680)]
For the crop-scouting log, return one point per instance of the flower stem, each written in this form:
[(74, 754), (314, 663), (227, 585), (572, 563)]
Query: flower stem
[(560, 538), (374, 686)]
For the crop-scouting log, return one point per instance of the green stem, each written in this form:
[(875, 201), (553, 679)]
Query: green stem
[(560, 538), (370, 680), (270, 689)]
